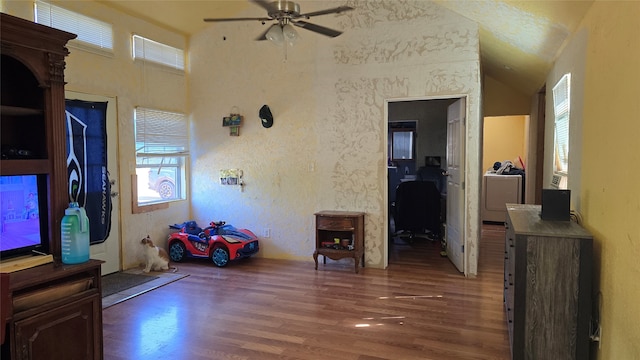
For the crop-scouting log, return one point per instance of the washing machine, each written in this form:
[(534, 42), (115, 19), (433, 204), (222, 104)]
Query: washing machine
[(498, 190)]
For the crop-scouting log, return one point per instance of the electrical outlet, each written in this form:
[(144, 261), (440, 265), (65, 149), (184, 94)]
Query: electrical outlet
[(266, 233)]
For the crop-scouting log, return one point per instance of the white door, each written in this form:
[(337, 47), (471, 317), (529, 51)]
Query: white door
[(455, 183), (109, 250)]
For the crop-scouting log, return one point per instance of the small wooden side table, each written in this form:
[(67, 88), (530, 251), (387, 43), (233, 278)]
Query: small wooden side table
[(340, 234)]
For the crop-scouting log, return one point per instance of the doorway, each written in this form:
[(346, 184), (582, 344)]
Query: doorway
[(108, 250), (430, 141)]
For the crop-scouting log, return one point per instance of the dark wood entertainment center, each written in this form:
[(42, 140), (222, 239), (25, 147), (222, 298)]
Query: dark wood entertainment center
[(51, 311)]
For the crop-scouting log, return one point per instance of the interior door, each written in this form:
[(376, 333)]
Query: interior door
[(109, 250), (455, 183)]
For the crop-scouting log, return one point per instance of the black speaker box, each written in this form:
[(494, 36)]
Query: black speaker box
[(556, 205)]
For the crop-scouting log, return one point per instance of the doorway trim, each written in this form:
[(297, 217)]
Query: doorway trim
[(470, 239)]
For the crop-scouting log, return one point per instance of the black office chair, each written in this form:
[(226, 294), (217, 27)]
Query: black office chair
[(435, 174), (417, 209)]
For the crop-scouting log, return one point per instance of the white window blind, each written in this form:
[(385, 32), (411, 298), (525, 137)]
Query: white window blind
[(154, 51), (89, 30), (162, 149), (160, 133), (562, 111)]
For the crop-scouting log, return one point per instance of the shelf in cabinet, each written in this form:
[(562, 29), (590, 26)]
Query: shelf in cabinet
[(24, 166), (328, 228), (19, 111)]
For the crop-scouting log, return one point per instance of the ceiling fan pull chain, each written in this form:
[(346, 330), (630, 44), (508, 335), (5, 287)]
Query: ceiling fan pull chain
[(285, 52)]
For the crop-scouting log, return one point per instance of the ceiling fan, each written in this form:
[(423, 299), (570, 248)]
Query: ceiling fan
[(287, 13)]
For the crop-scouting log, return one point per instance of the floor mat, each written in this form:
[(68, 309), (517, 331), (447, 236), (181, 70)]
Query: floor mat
[(147, 282), (120, 281)]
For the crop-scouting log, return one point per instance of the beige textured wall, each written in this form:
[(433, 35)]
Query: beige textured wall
[(326, 149)]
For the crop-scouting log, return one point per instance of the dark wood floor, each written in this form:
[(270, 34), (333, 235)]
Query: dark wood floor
[(421, 307)]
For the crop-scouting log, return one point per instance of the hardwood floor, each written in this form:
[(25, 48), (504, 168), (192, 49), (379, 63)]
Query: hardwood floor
[(421, 307)]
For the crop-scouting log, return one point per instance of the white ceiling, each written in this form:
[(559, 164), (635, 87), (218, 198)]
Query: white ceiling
[(519, 40)]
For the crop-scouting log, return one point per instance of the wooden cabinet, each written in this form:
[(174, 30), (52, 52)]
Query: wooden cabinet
[(50, 311), (340, 234), (547, 285), (55, 312), (32, 115)]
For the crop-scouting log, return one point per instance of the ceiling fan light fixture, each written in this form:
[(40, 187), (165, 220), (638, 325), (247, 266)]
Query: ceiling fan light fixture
[(290, 34), (275, 35)]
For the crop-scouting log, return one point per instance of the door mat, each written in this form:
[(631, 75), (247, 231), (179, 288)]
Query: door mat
[(120, 281), (126, 285)]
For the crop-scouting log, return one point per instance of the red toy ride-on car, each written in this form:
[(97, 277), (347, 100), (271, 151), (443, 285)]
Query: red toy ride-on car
[(218, 242)]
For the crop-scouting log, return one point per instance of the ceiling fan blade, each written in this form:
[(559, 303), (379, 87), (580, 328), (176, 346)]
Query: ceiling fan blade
[(236, 19), (263, 4), (336, 10), (317, 28)]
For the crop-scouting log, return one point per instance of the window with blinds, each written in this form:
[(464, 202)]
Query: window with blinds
[(149, 50), (162, 148), (562, 111), (92, 32)]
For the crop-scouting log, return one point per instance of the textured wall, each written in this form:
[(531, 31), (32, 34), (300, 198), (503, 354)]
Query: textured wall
[(610, 204), (327, 147)]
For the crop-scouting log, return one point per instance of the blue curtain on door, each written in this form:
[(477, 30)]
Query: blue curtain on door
[(89, 183)]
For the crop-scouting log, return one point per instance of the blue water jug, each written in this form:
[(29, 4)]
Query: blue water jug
[(75, 235)]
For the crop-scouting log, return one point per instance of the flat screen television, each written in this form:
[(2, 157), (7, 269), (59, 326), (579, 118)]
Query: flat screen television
[(24, 221)]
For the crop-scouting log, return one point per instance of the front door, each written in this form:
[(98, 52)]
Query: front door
[(455, 183), (109, 250)]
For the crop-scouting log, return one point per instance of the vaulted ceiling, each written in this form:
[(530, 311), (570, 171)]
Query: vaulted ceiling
[(519, 40)]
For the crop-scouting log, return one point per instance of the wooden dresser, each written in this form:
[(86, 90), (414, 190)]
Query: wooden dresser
[(547, 285), (345, 227)]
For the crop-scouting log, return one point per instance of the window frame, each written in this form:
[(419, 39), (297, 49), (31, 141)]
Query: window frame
[(160, 136), (148, 50), (402, 126), (561, 129), (93, 35)]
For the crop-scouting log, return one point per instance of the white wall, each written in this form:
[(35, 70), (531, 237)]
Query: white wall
[(326, 149)]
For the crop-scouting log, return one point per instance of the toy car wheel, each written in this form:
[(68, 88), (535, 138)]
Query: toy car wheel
[(177, 251), (220, 256), (166, 190)]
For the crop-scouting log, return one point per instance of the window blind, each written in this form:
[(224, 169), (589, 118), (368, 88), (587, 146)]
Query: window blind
[(154, 51), (160, 133), (561, 110), (89, 30)]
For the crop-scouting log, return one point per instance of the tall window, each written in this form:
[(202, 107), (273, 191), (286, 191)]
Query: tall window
[(162, 148), (562, 111), (402, 140), (92, 32), (149, 50)]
